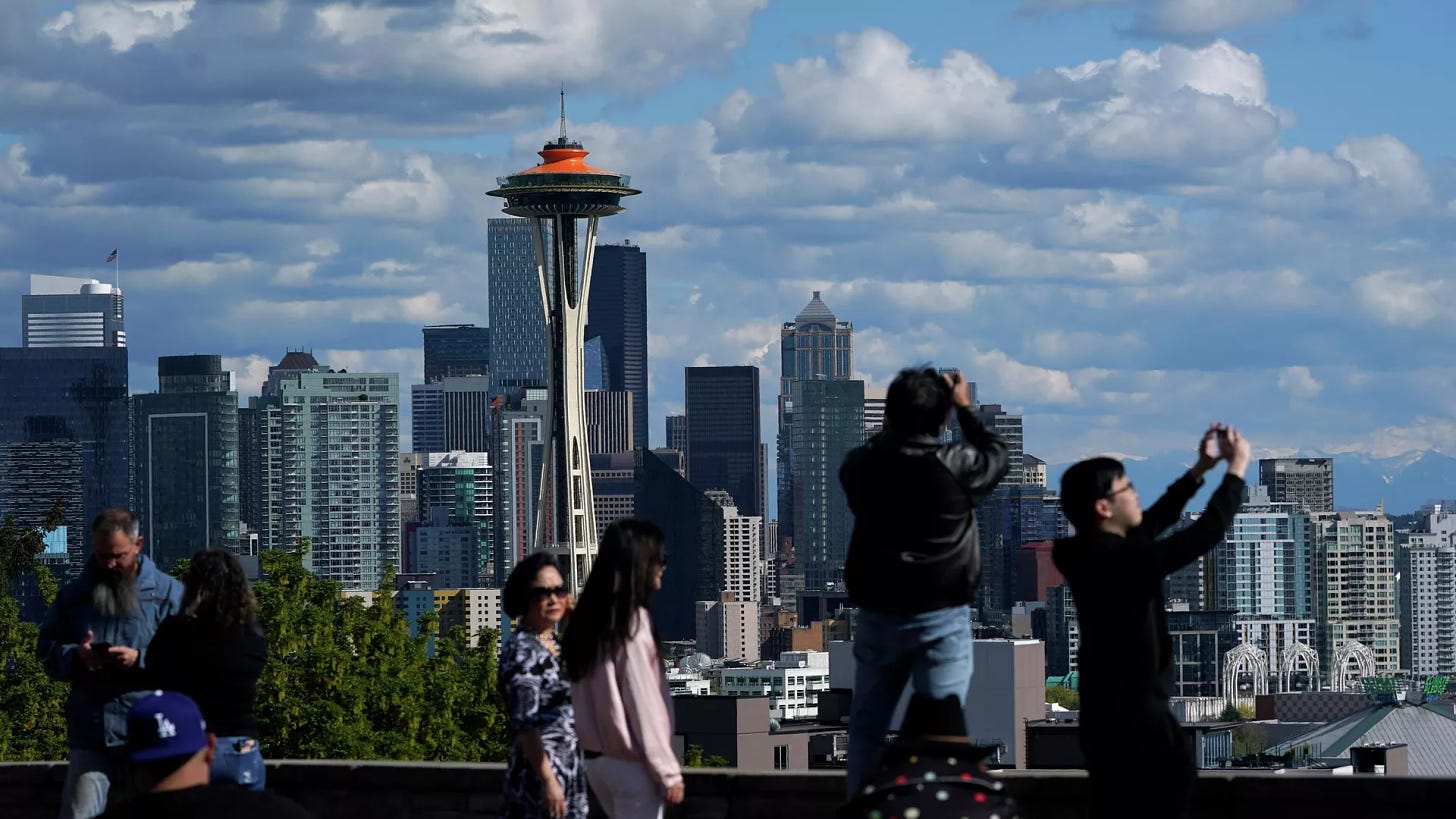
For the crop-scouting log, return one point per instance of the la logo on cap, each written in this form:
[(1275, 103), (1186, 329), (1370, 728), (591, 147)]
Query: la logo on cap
[(165, 728)]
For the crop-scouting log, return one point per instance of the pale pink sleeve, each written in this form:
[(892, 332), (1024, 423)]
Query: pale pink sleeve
[(648, 719)]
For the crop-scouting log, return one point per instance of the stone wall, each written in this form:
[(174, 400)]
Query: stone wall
[(395, 790)]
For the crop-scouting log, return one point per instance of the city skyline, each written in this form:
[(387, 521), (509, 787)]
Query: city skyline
[(1232, 172)]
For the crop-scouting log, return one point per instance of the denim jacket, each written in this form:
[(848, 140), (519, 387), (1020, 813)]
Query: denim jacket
[(98, 702)]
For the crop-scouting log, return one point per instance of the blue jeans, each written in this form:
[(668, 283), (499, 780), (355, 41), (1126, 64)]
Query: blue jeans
[(244, 767), (92, 776), (931, 651)]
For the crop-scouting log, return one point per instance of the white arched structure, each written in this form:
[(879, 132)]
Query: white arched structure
[(1299, 657), (1352, 651), (1245, 658)]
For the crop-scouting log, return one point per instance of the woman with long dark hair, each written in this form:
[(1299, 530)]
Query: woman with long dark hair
[(213, 651), (623, 706), (544, 779)]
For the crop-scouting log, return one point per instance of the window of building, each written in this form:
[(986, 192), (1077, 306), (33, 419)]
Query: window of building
[(781, 757)]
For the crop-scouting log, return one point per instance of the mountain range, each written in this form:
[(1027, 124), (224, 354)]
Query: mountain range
[(1403, 484)]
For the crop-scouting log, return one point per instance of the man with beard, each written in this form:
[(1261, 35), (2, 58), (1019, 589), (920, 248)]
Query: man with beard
[(95, 637)]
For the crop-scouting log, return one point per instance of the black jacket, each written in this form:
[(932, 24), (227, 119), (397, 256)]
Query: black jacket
[(914, 547), (219, 670), (1117, 584)]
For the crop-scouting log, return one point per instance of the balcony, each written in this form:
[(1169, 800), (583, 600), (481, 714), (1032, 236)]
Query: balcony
[(402, 790)]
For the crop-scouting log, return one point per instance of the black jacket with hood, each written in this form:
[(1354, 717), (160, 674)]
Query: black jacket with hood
[(915, 548)]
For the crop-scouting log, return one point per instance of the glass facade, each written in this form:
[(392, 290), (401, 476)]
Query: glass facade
[(456, 350), (185, 468), (828, 423), (724, 433), (451, 414), (815, 345), (64, 437), (517, 318), (617, 314)]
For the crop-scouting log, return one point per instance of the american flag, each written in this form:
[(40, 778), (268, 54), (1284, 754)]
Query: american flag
[(111, 258)]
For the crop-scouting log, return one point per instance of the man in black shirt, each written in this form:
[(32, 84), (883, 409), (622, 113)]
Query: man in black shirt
[(914, 560), (171, 751), (1137, 759)]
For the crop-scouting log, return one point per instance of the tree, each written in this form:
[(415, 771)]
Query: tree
[(345, 680), (693, 758), (1065, 697), (1230, 713), (32, 706), (1250, 739)]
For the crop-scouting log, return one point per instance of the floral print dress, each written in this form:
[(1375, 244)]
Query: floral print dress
[(538, 696)]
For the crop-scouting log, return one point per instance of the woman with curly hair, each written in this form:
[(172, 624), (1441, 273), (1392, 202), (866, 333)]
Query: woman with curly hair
[(213, 651), (544, 777)]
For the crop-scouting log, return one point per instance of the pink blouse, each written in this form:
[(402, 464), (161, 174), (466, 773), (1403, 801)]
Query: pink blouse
[(624, 708)]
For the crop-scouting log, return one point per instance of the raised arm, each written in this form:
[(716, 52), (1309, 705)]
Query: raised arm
[(1187, 545), (983, 460), (1166, 511)]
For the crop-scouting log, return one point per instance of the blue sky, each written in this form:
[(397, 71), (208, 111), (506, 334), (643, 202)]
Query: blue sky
[(1122, 217)]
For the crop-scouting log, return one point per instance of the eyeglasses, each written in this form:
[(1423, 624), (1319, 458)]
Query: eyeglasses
[(1128, 488), (543, 592)]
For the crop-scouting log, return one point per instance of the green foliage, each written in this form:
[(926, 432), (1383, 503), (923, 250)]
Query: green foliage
[(344, 680), (1246, 712), (32, 706), (693, 758), (1065, 697), (1232, 713), (1250, 739)]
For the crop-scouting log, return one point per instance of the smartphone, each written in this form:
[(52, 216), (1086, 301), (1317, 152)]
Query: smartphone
[(101, 647)]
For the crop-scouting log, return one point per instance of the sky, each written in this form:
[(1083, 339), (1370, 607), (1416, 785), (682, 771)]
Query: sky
[(1123, 218)]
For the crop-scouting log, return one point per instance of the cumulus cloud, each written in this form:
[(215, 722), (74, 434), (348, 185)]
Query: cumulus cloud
[(121, 22), (1402, 298), (1180, 18), (421, 193), (1298, 382)]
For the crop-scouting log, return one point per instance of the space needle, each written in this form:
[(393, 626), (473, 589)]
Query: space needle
[(555, 195)]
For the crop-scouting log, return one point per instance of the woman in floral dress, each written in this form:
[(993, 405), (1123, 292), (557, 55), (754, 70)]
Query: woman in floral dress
[(544, 775)]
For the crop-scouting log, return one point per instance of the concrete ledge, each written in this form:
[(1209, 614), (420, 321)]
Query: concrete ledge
[(411, 790)]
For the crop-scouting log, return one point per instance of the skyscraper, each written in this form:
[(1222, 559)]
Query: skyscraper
[(609, 424), (65, 312), (520, 456), (666, 498), (450, 414), (517, 326), (1427, 566), (828, 423), (617, 314), (677, 432), (1355, 598), (329, 449), (1262, 568), (64, 426), (459, 484), (815, 345), (185, 459), (1306, 482), (724, 435), (738, 541), (456, 350)]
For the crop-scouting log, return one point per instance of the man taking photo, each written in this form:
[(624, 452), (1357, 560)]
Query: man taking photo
[(914, 560), (1115, 566)]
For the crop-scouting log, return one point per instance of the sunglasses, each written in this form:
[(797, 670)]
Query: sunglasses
[(543, 592)]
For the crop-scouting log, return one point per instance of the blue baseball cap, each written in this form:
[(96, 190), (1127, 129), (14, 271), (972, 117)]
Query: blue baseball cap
[(164, 724)]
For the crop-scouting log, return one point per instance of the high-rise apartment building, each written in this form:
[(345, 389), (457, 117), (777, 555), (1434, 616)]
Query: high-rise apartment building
[(677, 432), (828, 423), (1306, 482), (617, 314), (329, 451), (450, 551), (724, 434), (451, 413), (455, 351), (739, 540), (1008, 425), (64, 413), (874, 409), (461, 483), (609, 425), (65, 312), (727, 628), (185, 459), (517, 323), (520, 449), (816, 345), (1426, 564), (1355, 597), (1262, 568)]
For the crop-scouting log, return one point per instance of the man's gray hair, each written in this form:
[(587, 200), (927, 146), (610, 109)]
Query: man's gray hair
[(115, 520)]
